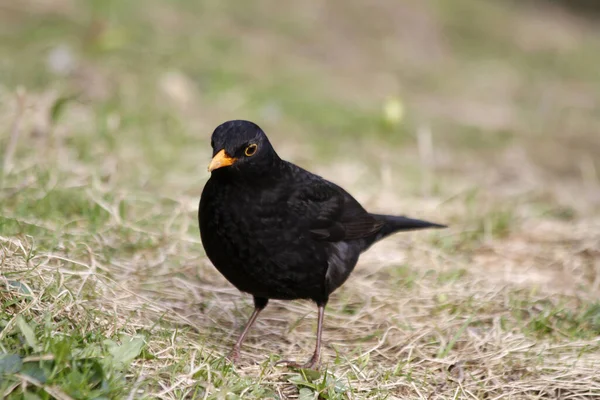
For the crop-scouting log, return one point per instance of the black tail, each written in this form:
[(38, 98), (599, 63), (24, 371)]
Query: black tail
[(395, 224)]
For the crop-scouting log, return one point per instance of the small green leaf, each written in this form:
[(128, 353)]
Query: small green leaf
[(301, 380), (10, 364), (61, 350), (297, 379), (58, 107), (34, 371), (311, 374), (28, 332), (19, 287), (92, 369), (128, 351), (306, 394), (123, 209), (31, 396)]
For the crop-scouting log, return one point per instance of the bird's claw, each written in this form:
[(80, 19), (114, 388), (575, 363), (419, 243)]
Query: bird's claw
[(310, 364), (234, 356)]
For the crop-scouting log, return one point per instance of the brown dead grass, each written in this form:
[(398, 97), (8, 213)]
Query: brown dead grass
[(392, 330), (384, 333)]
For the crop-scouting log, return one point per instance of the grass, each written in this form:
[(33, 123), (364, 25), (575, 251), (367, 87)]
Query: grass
[(105, 289)]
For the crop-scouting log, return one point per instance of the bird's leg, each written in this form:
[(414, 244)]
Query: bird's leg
[(259, 304), (314, 360)]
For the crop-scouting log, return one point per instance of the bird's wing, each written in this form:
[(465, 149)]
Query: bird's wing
[(332, 214)]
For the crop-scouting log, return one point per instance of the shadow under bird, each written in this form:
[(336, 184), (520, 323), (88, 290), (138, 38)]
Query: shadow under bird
[(277, 231)]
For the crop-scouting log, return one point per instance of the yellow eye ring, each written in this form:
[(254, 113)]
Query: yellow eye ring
[(250, 150)]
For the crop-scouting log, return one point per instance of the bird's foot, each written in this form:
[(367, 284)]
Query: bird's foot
[(310, 364), (234, 355)]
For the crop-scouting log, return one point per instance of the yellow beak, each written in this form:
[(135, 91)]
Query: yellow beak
[(220, 160)]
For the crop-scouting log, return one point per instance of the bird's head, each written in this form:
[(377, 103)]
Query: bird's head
[(241, 146)]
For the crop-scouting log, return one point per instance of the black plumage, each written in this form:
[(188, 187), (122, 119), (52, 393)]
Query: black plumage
[(277, 231)]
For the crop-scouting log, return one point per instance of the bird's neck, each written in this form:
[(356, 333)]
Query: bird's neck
[(263, 176)]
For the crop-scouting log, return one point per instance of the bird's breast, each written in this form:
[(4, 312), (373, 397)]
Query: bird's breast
[(248, 223), (259, 245)]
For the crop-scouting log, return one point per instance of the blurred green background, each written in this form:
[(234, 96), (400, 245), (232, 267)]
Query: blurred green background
[(481, 76)]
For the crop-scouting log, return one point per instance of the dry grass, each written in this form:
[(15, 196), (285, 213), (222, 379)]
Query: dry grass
[(98, 234), (415, 320)]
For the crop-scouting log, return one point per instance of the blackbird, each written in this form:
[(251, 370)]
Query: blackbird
[(277, 231)]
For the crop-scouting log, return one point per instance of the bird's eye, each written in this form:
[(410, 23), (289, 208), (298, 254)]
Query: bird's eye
[(250, 150)]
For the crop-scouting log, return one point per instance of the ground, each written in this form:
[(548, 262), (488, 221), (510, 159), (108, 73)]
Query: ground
[(480, 115)]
